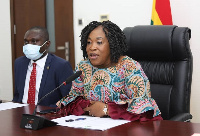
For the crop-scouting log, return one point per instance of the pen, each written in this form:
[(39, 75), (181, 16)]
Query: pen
[(80, 119), (69, 120)]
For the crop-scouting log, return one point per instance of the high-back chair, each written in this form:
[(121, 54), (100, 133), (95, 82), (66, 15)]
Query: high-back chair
[(165, 55)]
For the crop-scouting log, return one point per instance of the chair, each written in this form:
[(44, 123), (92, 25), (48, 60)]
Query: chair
[(165, 55)]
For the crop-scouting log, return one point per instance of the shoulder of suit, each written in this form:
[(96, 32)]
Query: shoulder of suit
[(57, 59), (22, 59)]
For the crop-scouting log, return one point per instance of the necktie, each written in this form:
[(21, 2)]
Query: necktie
[(32, 86)]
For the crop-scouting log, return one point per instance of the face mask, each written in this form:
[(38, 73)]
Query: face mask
[(33, 51)]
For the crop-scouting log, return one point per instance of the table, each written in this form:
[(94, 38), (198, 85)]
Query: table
[(10, 126)]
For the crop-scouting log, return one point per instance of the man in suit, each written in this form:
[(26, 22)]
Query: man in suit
[(50, 71)]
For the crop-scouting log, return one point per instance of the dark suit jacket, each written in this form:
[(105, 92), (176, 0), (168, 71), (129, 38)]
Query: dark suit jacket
[(56, 71)]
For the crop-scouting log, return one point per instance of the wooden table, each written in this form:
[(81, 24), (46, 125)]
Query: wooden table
[(10, 126)]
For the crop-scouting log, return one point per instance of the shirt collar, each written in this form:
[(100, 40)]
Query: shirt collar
[(40, 62)]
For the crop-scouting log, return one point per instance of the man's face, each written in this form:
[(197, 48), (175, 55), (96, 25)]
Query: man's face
[(35, 37)]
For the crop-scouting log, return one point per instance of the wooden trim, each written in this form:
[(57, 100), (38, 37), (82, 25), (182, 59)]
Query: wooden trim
[(12, 40)]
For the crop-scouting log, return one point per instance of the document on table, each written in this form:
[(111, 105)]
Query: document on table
[(196, 134), (10, 105), (88, 122)]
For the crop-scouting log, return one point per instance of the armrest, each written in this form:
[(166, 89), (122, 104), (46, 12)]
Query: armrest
[(184, 117)]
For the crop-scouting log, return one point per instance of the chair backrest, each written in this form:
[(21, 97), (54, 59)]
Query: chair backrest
[(165, 55)]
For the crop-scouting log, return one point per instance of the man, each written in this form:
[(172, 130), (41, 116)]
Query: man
[(39, 72)]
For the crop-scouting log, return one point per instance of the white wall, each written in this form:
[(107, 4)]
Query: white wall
[(138, 12), (6, 87), (123, 13)]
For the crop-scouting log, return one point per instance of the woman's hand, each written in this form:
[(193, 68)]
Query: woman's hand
[(96, 109)]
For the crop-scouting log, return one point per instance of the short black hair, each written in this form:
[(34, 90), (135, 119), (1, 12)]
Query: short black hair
[(43, 30), (114, 34)]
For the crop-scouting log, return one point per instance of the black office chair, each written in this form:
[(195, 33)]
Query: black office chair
[(165, 55)]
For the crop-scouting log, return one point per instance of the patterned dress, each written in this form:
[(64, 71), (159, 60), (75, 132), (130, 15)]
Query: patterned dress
[(123, 83)]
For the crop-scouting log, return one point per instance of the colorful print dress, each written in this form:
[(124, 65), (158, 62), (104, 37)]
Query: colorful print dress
[(125, 83)]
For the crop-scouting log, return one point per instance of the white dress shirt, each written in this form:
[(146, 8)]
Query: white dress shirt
[(39, 72)]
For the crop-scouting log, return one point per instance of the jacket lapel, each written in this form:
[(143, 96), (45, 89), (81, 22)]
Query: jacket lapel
[(44, 76), (23, 72)]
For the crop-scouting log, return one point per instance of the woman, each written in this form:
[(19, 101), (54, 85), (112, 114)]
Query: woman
[(111, 84)]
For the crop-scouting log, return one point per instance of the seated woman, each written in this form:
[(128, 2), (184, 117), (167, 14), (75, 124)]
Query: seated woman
[(111, 83)]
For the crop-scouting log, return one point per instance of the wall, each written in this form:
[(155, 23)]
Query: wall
[(138, 12), (6, 88), (123, 13)]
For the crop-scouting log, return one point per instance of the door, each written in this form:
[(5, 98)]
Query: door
[(64, 39), (25, 14), (29, 13)]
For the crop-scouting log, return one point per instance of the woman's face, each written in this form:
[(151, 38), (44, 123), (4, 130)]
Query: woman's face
[(98, 49)]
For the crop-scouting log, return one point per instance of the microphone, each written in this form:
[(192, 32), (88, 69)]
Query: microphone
[(35, 122), (67, 81)]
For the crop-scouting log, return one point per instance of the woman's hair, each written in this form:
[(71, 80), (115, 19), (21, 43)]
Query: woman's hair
[(114, 34)]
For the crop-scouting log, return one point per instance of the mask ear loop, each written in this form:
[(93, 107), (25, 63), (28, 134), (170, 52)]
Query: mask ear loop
[(43, 45)]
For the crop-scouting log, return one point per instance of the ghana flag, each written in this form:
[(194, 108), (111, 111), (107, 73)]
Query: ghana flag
[(161, 13)]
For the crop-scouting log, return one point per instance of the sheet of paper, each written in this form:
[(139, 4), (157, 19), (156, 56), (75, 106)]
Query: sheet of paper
[(10, 105), (88, 122), (196, 134)]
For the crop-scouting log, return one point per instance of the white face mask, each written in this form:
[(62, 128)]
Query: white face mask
[(33, 51)]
